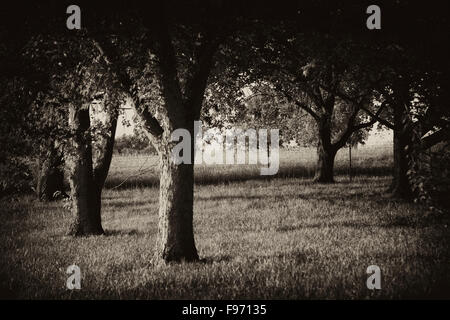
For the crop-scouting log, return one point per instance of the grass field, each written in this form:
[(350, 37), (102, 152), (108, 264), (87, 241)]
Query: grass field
[(278, 238), (142, 171)]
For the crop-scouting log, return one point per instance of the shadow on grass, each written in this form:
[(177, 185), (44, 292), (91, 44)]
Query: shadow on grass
[(126, 232), (310, 196), (25, 282), (125, 204), (297, 256), (232, 197), (340, 224), (227, 177), (397, 222), (5, 292)]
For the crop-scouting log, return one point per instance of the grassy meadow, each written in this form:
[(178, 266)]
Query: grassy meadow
[(282, 237)]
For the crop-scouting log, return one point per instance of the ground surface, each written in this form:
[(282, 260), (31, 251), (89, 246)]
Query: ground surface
[(279, 238)]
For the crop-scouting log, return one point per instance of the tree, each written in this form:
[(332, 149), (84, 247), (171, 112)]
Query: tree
[(411, 87), (164, 66), (88, 168), (304, 61), (76, 77), (317, 73), (182, 53)]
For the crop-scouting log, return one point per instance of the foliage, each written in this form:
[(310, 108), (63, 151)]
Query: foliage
[(60, 70), (133, 144), (15, 177), (16, 94), (76, 75), (429, 175), (291, 79)]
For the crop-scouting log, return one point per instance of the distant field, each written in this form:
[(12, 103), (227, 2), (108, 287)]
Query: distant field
[(279, 238), (141, 170)]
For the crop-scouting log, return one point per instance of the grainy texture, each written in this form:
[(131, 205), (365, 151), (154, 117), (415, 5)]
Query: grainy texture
[(280, 238)]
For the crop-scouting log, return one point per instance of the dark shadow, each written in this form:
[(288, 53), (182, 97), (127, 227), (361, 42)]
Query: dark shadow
[(342, 196), (120, 184), (127, 203), (327, 224), (6, 294), (317, 196), (230, 197), (129, 232), (224, 177), (404, 223), (298, 256)]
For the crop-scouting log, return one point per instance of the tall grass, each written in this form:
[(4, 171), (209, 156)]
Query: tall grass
[(278, 238), (142, 170)]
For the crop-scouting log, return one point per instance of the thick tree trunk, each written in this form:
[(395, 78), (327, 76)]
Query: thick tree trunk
[(87, 214), (176, 199), (85, 195), (325, 165), (51, 176), (325, 153), (400, 186)]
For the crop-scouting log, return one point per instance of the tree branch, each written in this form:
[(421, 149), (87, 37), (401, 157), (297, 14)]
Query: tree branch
[(104, 154), (433, 139), (348, 131), (301, 105), (352, 128), (112, 59), (366, 110), (195, 86)]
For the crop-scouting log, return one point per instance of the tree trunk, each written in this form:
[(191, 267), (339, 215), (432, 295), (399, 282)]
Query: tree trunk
[(400, 186), (51, 176), (85, 195), (325, 165), (87, 214), (176, 199), (325, 153)]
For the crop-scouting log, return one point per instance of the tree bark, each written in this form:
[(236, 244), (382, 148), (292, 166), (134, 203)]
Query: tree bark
[(51, 175), (325, 165), (176, 199), (400, 186), (325, 153), (85, 194)]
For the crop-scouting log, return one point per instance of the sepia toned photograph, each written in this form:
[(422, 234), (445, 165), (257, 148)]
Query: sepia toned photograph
[(224, 151)]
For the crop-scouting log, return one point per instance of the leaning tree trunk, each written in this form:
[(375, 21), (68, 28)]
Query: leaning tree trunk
[(400, 186), (51, 175), (325, 153), (102, 156), (176, 199), (85, 195)]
